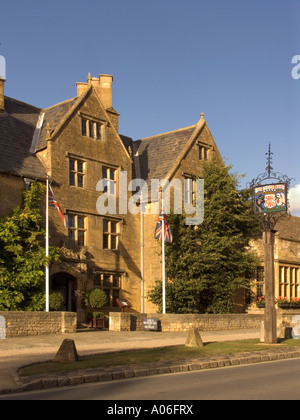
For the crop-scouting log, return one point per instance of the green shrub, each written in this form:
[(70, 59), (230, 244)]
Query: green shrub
[(95, 298), (96, 315), (56, 300)]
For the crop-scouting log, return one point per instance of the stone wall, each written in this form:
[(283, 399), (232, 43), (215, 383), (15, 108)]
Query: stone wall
[(288, 318), (174, 322), (39, 323), (11, 190)]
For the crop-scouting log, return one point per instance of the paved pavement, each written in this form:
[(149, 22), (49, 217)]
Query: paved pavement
[(21, 351)]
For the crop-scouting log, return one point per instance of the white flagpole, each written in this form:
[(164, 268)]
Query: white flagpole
[(163, 260), (47, 245)]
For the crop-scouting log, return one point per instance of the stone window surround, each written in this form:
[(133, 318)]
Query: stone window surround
[(189, 184), (87, 160), (77, 231), (98, 124), (289, 280), (205, 150), (109, 234), (110, 282), (77, 172)]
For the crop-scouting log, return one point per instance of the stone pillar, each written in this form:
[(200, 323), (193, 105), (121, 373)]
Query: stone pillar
[(270, 326)]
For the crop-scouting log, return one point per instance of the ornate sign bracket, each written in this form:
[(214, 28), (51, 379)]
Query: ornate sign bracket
[(270, 195)]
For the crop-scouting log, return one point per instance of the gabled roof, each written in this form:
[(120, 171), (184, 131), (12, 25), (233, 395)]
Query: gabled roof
[(158, 153), (158, 157), (54, 116), (17, 125)]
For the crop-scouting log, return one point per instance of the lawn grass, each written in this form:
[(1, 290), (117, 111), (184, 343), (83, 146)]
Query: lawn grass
[(160, 354)]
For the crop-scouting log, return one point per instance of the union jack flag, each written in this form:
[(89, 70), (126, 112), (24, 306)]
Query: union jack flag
[(52, 202), (168, 237)]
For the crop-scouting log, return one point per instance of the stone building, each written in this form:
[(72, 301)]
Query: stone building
[(77, 145), (286, 260)]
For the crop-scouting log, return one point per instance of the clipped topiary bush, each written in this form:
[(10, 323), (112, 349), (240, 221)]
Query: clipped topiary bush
[(95, 298), (56, 300)]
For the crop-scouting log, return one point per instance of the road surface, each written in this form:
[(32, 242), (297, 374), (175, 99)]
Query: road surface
[(278, 380)]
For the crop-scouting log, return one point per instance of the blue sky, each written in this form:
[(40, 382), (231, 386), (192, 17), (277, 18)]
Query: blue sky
[(171, 60)]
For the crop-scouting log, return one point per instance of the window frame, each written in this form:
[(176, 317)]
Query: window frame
[(92, 128), (110, 239), (203, 152), (189, 190), (106, 281), (260, 281), (77, 230), (76, 176), (109, 182), (289, 281)]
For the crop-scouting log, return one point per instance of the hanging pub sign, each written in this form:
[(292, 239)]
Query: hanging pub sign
[(270, 198)]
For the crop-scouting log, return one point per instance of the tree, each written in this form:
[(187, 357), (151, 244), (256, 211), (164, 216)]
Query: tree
[(22, 255), (206, 264), (182, 270)]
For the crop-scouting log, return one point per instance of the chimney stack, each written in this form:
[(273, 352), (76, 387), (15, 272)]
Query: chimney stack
[(102, 85), (2, 81), (105, 91)]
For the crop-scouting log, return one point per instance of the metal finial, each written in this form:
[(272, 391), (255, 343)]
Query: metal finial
[(269, 160)]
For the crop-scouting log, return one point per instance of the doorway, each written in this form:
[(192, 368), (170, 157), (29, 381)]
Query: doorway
[(66, 285)]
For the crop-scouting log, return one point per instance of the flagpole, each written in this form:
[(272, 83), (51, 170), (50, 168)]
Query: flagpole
[(47, 245), (163, 259)]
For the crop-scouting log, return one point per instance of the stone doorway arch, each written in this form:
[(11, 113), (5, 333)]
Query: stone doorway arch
[(67, 285)]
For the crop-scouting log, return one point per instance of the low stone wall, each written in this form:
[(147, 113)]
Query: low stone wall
[(288, 318), (38, 323), (119, 321)]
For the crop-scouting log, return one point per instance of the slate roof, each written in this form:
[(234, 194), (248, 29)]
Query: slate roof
[(54, 116), (17, 125), (157, 154), (288, 227), (153, 157)]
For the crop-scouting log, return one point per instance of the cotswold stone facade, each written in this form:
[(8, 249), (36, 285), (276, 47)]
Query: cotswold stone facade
[(286, 260), (76, 143)]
